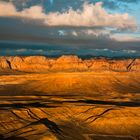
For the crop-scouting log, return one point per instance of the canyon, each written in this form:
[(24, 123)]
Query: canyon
[(69, 98)]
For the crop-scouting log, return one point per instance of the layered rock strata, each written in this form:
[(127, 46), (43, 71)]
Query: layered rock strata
[(67, 63)]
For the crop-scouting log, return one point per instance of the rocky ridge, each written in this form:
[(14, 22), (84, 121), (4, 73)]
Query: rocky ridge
[(67, 63)]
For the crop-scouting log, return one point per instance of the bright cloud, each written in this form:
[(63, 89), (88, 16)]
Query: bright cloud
[(7, 9), (90, 15), (124, 38)]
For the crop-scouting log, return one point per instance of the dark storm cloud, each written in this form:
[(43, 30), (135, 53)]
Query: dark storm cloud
[(20, 36), (78, 37), (55, 50)]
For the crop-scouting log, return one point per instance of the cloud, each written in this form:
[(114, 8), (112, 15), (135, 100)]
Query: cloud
[(89, 52), (87, 34), (33, 51), (124, 38), (7, 9), (98, 34), (22, 50), (91, 15)]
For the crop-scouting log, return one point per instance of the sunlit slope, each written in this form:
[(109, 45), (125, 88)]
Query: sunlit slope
[(70, 106), (103, 85), (72, 122)]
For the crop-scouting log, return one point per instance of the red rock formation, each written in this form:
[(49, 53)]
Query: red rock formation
[(100, 64), (4, 63), (30, 64), (135, 66), (120, 65), (67, 63), (70, 63)]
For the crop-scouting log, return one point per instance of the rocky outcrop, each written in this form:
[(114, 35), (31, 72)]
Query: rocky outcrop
[(29, 64), (99, 64), (4, 63), (135, 65), (67, 63)]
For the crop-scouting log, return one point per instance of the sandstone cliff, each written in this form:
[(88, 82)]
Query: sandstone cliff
[(67, 63)]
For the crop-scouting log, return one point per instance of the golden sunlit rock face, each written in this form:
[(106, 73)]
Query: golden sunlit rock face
[(67, 63), (68, 98)]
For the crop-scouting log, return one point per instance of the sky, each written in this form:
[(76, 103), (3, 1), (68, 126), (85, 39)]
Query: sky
[(61, 27)]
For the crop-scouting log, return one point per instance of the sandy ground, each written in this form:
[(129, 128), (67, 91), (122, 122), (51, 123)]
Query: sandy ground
[(70, 106)]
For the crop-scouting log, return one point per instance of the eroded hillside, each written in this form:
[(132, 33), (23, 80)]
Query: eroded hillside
[(70, 106), (67, 63), (68, 98)]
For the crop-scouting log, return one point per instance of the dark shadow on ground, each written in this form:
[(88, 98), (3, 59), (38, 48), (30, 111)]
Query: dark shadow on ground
[(100, 102), (84, 102), (12, 138), (23, 105)]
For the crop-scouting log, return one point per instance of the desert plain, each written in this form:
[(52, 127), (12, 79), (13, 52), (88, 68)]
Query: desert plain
[(68, 98)]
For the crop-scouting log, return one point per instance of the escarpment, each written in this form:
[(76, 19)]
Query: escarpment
[(4, 63), (67, 63)]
